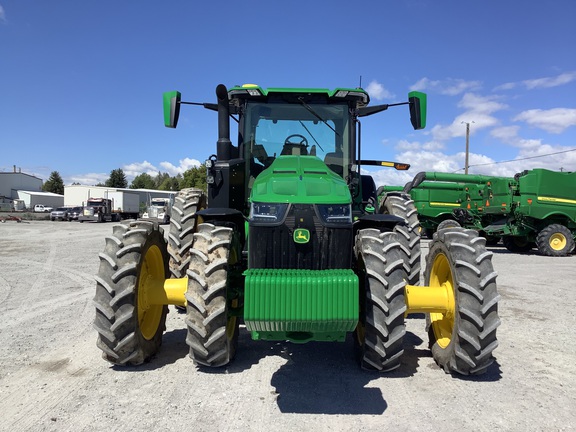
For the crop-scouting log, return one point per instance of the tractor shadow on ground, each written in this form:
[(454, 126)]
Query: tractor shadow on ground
[(327, 372), (324, 377)]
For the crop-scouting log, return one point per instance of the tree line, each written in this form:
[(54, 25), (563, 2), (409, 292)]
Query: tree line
[(194, 177)]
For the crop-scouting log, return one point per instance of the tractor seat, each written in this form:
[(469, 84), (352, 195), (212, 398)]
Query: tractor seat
[(294, 150), (334, 161)]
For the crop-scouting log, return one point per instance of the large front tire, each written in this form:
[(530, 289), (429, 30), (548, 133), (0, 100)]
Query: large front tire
[(409, 235), (382, 270), (463, 339), (134, 264), (212, 330)]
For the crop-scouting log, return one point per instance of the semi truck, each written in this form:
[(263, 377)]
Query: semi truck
[(159, 209), (118, 206), (98, 210)]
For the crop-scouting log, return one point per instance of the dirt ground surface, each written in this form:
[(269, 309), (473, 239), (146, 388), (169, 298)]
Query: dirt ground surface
[(52, 376)]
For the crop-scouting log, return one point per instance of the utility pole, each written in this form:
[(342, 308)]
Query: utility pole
[(467, 145)]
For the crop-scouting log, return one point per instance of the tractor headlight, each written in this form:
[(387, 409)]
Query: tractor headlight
[(335, 213), (268, 213)]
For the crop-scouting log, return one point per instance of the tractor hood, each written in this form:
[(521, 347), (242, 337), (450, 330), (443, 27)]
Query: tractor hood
[(300, 180)]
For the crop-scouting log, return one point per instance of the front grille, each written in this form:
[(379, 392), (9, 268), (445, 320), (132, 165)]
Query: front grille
[(273, 247)]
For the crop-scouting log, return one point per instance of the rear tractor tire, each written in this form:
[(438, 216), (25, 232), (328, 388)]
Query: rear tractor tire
[(382, 271), (212, 330), (134, 263), (555, 240), (462, 340), (408, 235), (182, 228)]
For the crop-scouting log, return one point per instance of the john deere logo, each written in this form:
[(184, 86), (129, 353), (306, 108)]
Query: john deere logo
[(301, 235)]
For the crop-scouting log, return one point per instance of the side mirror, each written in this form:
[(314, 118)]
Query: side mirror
[(417, 102), (171, 108)]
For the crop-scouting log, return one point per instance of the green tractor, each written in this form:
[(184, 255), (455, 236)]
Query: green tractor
[(289, 242)]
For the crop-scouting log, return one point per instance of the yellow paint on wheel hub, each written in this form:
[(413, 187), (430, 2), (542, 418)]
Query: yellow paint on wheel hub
[(438, 300), (558, 241), (150, 282)]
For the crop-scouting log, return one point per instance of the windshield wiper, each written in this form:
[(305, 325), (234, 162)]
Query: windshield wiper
[(310, 133), (315, 114)]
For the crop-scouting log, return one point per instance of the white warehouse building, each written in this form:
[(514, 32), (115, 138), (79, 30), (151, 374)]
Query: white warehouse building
[(26, 190), (77, 195)]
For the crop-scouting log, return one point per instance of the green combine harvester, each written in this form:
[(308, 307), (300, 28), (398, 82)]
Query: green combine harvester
[(440, 197), (290, 243), (535, 208)]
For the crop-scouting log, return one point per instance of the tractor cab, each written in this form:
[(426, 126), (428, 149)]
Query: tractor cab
[(299, 123), (276, 123)]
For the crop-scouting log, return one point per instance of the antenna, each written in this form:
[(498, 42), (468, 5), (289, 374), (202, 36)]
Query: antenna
[(360, 86)]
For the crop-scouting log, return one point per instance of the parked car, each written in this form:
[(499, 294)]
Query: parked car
[(42, 208), (74, 212), (60, 213)]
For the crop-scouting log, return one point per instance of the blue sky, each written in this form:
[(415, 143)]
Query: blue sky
[(81, 83)]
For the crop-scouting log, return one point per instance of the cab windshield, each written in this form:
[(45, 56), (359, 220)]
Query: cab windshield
[(275, 129)]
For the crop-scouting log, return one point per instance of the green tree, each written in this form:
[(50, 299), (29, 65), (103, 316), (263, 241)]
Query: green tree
[(194, 177), (143, 181), (170, 184), (160, 178), (54, 184), (117, 179)]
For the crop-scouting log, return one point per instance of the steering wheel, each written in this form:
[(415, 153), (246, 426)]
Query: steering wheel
[(303, 140), (301, 144)]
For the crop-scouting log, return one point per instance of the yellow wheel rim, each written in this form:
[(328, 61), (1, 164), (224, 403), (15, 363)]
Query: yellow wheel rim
[(443, 323), (558, 241), (151, 278)]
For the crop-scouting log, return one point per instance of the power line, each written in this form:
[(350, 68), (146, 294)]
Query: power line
[(521, 159)]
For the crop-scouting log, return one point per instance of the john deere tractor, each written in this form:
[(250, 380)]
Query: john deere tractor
[(289, 243)]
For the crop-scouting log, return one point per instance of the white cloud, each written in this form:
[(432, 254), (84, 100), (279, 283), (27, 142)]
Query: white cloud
[(479, 110), (419, 161), (448, 87), (433, 146), (509, 135), (505, 133), (185, 165), (378, 92), (547, 82), (404, 145), (506, 86), (2, 14), (481, 104), (137, 168), (555, 120), (89, 179)]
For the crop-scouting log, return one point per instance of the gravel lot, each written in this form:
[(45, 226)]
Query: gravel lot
[(52, 376)]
